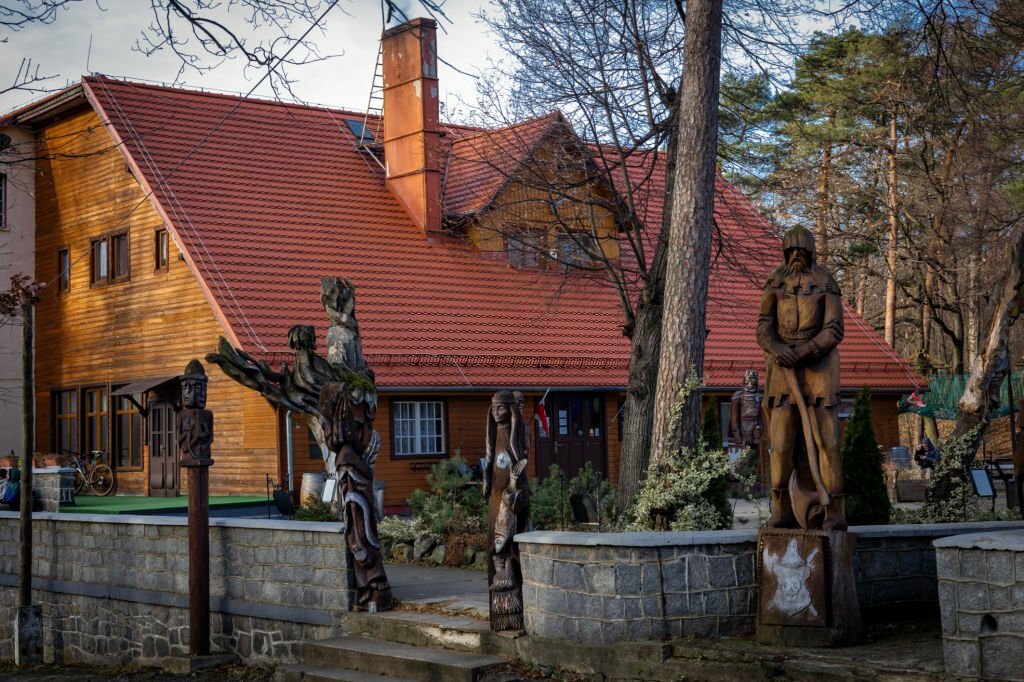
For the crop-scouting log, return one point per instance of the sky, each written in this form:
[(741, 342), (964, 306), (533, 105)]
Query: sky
[(353, 28)]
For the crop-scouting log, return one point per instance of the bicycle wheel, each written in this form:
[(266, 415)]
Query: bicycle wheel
[(102, 480), (79, 481)]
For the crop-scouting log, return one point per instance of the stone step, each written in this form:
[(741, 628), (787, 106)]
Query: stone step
[(300, 672), (418, 628), (398, 659)]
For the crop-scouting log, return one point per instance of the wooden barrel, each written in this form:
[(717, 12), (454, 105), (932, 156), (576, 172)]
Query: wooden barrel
[(312, 484)]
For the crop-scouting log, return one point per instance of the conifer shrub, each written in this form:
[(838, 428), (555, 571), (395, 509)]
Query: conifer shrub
[(452, 504), (549, 501), (867, 499)]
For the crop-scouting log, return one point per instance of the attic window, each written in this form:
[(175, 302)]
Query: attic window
[(362, 132)]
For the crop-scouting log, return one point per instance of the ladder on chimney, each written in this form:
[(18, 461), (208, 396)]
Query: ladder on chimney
[(372, 141)]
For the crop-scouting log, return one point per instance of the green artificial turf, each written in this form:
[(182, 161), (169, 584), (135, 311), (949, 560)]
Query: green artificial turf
[(127, 504)]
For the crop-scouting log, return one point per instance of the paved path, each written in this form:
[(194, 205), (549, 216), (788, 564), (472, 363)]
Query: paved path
[(456, 590)]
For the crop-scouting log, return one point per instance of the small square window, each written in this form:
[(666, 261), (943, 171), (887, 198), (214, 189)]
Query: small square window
[(162, 248), (418, 428), (523, 249), (63, 270)]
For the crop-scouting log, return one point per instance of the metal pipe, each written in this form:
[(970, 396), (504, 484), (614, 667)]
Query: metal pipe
[(288, 447)]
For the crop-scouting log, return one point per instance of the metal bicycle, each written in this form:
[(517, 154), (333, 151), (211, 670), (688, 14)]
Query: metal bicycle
[(91, 472)]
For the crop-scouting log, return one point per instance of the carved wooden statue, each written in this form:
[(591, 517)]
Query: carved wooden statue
[(195, 422), (800, 325), (338, 398), (508, 508), (745, 413)]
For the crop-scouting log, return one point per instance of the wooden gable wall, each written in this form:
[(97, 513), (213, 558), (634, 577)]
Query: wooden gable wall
[(150, 325), (526, 204)]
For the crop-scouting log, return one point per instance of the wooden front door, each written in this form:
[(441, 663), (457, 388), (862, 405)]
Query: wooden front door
[(163, 451), (577, 434)]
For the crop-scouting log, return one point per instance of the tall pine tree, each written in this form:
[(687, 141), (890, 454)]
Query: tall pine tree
[(867, 501)]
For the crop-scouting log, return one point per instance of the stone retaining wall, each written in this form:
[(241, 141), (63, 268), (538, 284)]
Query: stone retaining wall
[(115, 588), (611, 587), (981, 591)]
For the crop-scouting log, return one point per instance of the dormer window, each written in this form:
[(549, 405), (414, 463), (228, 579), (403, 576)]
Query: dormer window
[(523, 249), (574, 250)]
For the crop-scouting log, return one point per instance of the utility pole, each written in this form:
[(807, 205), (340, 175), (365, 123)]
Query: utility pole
[(28, 630)]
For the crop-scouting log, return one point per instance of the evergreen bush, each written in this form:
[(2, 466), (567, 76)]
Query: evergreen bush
[(549, 501), (867, 499), (675, 494), (453, 504)]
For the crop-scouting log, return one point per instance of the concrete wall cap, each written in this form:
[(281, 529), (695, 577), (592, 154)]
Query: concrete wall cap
[(151, 520), (644, 539), (1006, 540), (937, 530)]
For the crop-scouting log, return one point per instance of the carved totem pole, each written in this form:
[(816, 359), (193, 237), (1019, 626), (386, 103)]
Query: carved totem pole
[(338, 398), (806, 577), (195, 436), (508, 508)]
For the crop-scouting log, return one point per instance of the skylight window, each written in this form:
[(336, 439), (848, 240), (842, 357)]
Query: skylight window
[(362, 132)]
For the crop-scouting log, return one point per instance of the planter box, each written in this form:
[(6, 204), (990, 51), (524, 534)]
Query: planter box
[(911, 490)]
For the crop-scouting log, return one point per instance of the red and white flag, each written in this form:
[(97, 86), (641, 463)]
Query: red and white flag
[(541, 417), (916, 400)]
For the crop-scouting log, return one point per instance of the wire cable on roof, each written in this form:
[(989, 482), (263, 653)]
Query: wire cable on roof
[(165, 177)]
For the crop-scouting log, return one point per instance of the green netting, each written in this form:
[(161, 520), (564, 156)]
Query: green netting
[(944, 391)]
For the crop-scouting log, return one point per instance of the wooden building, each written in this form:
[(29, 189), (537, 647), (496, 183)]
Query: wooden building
[(166, 218)]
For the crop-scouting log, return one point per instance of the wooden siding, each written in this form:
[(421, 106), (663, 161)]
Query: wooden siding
[(521, 206), (150, 325)]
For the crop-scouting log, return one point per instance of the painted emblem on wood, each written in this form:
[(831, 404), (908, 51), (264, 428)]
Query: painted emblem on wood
[(793, 582), (791, 573)]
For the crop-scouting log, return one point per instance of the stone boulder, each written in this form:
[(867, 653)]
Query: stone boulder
[(423, 546)]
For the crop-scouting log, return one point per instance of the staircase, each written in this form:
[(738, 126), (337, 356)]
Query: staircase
[(404, 645)]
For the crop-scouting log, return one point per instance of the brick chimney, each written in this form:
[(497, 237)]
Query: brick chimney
[(411, 135)]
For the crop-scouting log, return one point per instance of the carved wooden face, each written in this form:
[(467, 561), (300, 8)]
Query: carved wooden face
[(193, 394), (750, 380), (501, 412)]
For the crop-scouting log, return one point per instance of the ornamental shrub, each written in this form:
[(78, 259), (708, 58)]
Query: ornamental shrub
[(950, 497), (867, 500), (453, 503), (718, 490), (675, 494), (549, 501)]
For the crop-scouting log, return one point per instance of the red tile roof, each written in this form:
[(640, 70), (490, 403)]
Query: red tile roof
[(277, 195), (480, 163)]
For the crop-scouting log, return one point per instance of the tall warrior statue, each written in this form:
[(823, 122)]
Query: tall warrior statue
[(745, 413), (508, 508), (800, 325)]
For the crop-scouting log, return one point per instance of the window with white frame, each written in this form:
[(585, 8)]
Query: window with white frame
[(418, 427)]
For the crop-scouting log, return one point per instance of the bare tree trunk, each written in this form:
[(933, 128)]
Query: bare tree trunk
[(823, 198), (890, 284), (862, 285), (992, 363), (689, 247), (645, 345)]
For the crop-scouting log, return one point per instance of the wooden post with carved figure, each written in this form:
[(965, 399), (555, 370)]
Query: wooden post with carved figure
[(508, 508), (195, 435), (805, 555)]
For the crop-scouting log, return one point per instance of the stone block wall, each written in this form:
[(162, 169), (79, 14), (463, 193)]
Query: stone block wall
[(53, 486), (115, 588), (611, 587), (643, 587), (981, 593)]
